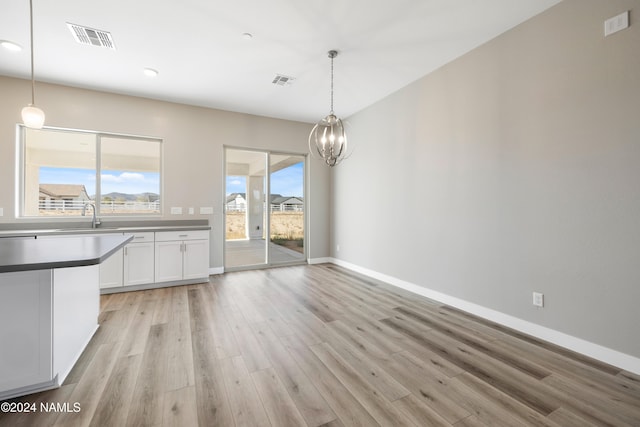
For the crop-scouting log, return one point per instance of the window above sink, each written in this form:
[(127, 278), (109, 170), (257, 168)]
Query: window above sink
[(61, 171)]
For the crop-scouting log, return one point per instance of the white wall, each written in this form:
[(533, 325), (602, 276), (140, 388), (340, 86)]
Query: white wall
[(516, 168), (193, 148)]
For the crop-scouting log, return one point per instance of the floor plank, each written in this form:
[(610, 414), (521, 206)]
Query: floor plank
[(246, 406), (180, 409), (379, 408), (148, 396), (341, 401), (281, 409), (113, 408), (310, 403)]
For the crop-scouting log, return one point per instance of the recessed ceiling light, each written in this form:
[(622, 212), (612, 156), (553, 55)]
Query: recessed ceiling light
[(10, 45), (247, 36), (150, 72)]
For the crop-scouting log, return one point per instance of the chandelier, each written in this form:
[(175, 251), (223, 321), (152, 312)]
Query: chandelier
[(327, 138)]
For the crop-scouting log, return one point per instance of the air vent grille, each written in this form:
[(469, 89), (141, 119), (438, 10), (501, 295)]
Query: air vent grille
[(91, 36), (281, 80)]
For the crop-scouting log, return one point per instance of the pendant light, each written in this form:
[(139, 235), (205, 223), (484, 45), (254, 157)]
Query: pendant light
[(327, 138), (32, 116)]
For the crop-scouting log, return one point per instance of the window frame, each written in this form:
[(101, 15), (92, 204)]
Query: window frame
[(21, 141)]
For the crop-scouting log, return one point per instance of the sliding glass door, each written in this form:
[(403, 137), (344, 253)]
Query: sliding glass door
[(264, 209), (286, 208)]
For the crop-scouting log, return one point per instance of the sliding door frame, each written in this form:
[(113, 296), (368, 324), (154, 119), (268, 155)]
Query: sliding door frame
[(267, 213)]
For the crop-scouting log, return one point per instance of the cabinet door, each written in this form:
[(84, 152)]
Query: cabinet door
[(196, 259), (168, 265), (25, 335), (111, 271), (138, 263)]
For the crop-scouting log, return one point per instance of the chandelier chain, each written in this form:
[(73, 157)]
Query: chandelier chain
[(332, 84)]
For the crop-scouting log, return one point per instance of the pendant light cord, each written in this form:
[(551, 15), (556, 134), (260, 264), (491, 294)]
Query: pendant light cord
[(33, 82)]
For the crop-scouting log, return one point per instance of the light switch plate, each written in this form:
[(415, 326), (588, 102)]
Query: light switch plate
[(617, 23), (176, 211), (1, 211), (191, 211), (207, 210)]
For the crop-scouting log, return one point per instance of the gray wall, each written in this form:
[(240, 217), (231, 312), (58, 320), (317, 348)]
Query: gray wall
[(193, 148), (512, 169)]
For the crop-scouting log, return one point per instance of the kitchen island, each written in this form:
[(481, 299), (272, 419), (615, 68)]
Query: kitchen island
[(49, 306)]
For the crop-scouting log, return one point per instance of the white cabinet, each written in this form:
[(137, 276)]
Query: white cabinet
[(25, 316), (48, 317), (111, 271), (138, 268), (168, 261), (181, 255), (154, 257), (195, 262)]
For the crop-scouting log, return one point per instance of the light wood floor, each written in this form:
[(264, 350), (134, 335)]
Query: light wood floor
[(319, 345)]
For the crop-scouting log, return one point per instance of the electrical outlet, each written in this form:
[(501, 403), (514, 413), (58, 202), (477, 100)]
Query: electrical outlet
[(337, 248), (1, 211), (191, 211), (538, 299)]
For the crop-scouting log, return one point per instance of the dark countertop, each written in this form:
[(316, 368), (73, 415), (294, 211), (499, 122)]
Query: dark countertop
[(42, 254), (100, 230)]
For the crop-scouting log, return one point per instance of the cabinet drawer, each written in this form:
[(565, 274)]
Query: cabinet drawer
[(166, 236), (142, 237)]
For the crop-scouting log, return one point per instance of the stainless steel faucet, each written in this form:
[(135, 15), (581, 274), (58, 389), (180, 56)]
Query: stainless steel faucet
[(94, 221)]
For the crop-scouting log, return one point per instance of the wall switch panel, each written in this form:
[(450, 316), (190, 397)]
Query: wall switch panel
[(1, 211), (617, 23), (191, 211), (206, 210), (538, 299), (176, 211)]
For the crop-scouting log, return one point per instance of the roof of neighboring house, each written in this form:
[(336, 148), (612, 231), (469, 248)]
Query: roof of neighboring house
[(63, 190), (291, 200), (276, 199), (231, 197)]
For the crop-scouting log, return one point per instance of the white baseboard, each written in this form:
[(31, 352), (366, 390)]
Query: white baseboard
[(596, 351), (216, 270), (324, 260)]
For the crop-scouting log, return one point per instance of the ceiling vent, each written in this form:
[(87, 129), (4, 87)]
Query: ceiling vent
[(91, 36), (280, 80)]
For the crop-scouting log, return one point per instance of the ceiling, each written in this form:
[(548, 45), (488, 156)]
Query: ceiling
[(203, 59)]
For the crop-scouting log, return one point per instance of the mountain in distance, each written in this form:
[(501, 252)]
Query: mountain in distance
[(146, 197)]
